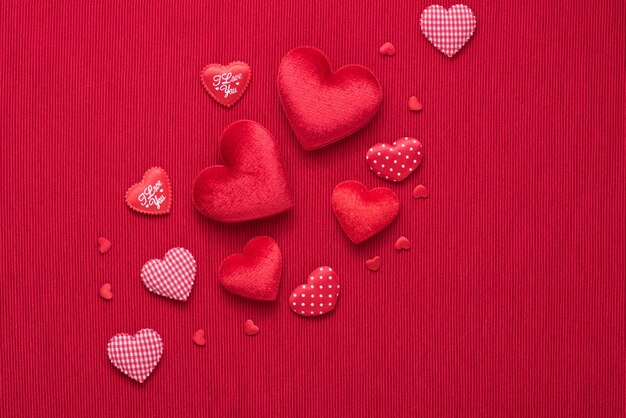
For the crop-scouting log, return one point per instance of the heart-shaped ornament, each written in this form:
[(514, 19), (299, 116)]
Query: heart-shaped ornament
[(172, 276), (448, 29), (104, 245), (397, 161), (136, 355), (363, 213), (250, 328), (152, 195), (318, 296), (251, 184), (322, 106), (255, 274), (226, 83)]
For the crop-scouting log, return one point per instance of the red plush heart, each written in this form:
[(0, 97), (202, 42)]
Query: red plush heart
[(255, 274), (318, 296), (136, 355), (251, 184), (363, 213), (250, 328), (173, 276), (402, 243), (226, 83), (104, 245), (105, 291), (199, 337), (152, 195), (373, 263), (323, 107), (396, 161)]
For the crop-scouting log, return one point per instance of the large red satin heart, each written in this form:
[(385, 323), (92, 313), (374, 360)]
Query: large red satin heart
[(322, 106), (363, 213), (251, 184), (152, 195), (226, 83), (255, 274)]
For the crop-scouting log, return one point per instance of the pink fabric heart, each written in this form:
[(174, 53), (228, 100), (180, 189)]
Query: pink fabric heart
[(136, 355), (448, 29), (173, 276)]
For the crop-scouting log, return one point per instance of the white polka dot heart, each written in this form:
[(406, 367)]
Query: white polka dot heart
[(397, 161), (318, 296)]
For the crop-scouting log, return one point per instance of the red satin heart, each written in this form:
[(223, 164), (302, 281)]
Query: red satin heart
[(322, 106), (251, 184), (363, 213), (318, 296), (152, 195), (397, 161), (255, 274), (226, 83)]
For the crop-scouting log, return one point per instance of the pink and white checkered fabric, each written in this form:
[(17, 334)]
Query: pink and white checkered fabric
[(173, 276), (448, 30), (136, 355)]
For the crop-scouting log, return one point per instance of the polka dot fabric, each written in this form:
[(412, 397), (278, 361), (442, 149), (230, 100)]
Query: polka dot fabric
[(397, 161), (173, 276), (136, 356), (318, 296), (448, 30)]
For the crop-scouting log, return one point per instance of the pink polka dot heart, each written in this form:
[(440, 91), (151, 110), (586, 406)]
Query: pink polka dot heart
[(318, 296), (397, 161)]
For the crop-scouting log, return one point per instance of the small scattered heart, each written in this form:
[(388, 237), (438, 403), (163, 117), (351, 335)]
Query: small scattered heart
[(420, 192), (403, 243), (448, 29), (199, 338), (387, 49), (104, 245), (136, 355), (152, 195), (173, 276), (226, 83), (249, 328), (373, 263), (414, 104), (105, 291), (397, 161), (318, 296)]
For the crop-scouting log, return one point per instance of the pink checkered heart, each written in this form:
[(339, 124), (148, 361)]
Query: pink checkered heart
[(448, 30), (173, 276), (136, 355)]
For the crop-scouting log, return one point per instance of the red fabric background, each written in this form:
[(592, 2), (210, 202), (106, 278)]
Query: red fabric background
[(511, 302)]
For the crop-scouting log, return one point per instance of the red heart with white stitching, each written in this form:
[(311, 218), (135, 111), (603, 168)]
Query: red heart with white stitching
[(448, 30), (318, 296), (152, 195), (136, 355), (173, 276), (396, 161), (226, 83)]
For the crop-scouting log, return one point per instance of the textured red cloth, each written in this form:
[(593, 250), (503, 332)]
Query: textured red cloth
[(510, 302)]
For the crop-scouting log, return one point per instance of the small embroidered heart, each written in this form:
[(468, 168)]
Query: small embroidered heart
[(136, 355), (397, 161), (448, 30), (318, 296), (373, 263), (420, 192), (414, 104), (199, 338), (152, 195), (387, 49), (105, 291), (403, 243), (104, 245), (173, 276), (249, 328), (226, 83)]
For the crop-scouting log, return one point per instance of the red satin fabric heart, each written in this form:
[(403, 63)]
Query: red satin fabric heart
[(226, 83), (255, 274), (318, 296), (251, 184), (363, 213), (322, 106), (152, 195), (397, 161), (136, 355)]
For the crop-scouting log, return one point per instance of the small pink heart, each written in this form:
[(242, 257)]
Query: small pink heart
[(104, 245), (403, 244), (414, 104), (250, 328), (373, 263), (105, 291), (198, 337), (420, 191), (387, 49)]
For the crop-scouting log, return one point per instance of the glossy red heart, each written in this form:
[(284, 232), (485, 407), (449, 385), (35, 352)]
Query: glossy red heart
[(397, 161), (319, 295), (363, 213), (322, 106), (251, 184), (226, 83), (255, 274), (152, 195)]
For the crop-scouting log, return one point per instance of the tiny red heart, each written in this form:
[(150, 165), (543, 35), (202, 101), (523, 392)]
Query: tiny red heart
[(198, 337), (104, 245), (403, 244), (397, 161), (420, 191), (105, 291), (318, 296), (250, 328), (152, 195), (226, 83), (414, 104), (387, 49), (373, 263)]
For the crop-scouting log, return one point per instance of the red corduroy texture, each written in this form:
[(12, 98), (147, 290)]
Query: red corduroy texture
[(509, 303)]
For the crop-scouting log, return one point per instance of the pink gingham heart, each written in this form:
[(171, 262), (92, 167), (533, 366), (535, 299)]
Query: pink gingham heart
[(136, 355), (173, 276), (448, 30)]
